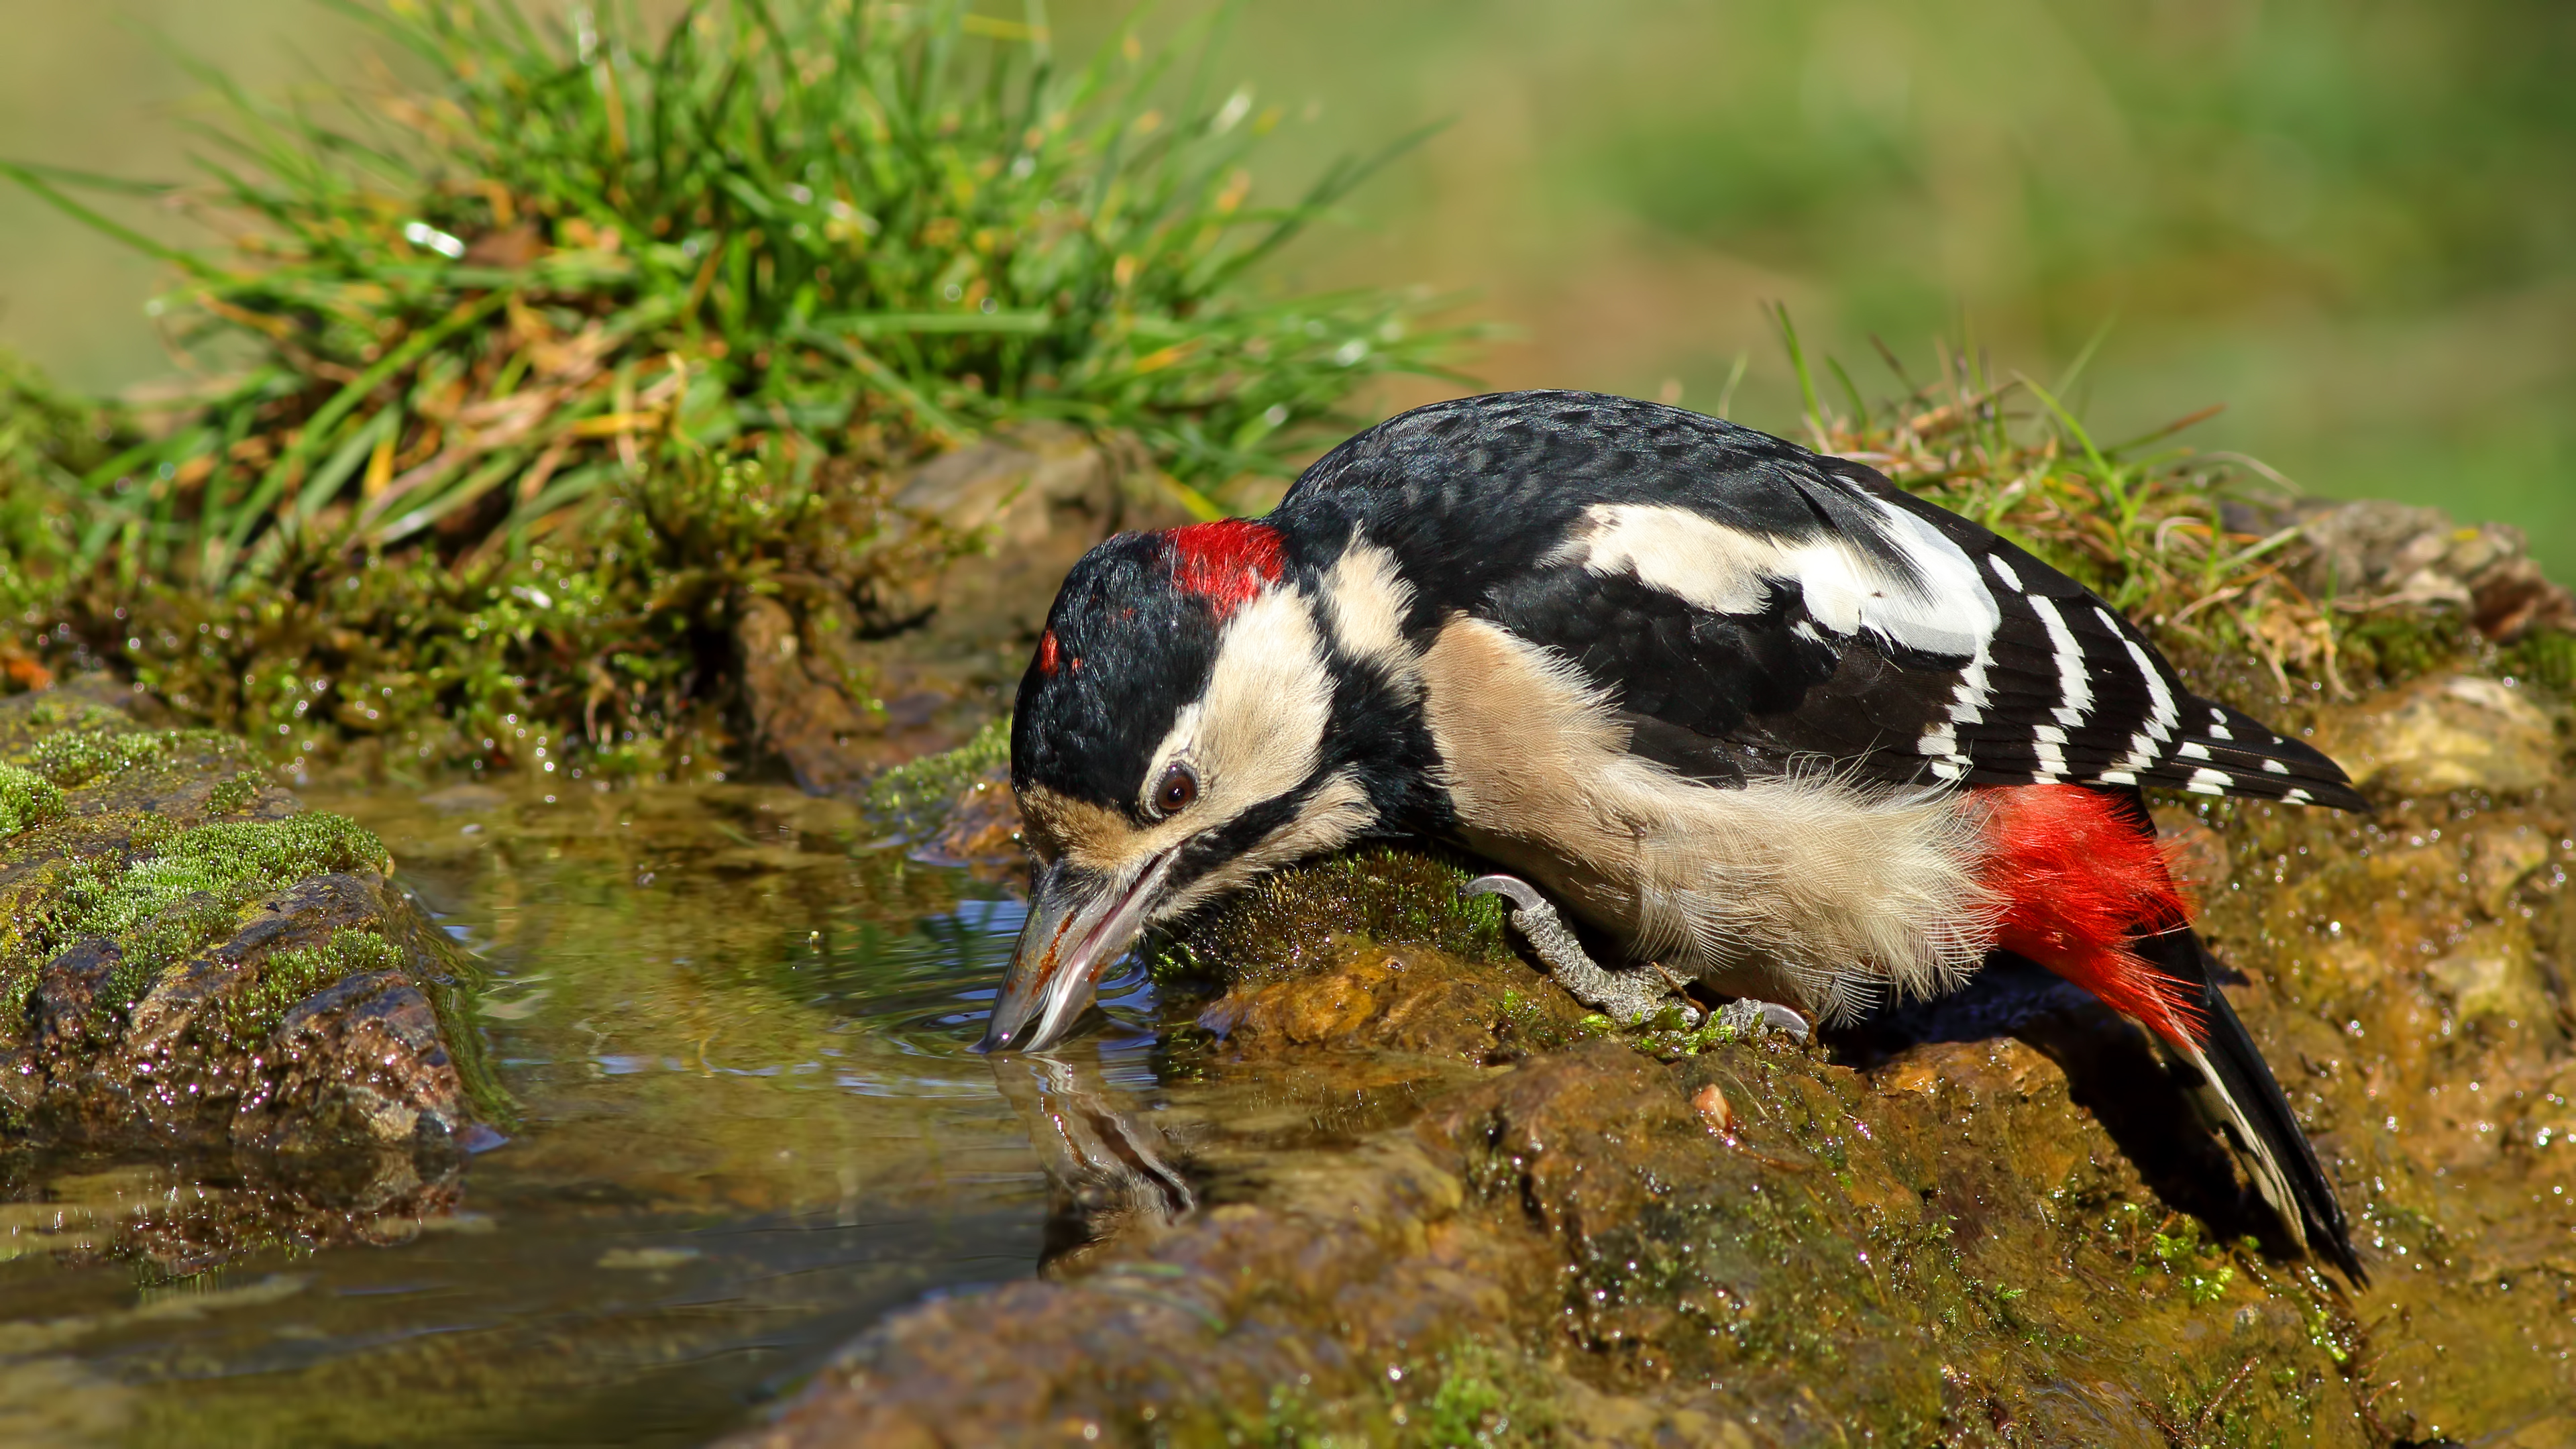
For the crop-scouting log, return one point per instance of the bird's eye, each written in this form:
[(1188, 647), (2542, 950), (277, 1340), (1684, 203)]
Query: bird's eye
[(1174, 792)]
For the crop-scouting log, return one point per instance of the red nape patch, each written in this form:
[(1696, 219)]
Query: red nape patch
[(1048, 655), (1226, 562), (2081, 883)]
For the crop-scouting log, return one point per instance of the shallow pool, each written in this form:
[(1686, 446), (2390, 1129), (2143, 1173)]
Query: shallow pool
[(747, 1125)]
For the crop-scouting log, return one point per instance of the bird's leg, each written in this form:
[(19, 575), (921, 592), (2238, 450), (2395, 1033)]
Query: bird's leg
[(1626, 997), (1747, 1017)]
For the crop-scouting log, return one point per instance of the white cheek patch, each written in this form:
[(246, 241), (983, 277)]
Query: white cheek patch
[(1946, 609), (1259, 729)]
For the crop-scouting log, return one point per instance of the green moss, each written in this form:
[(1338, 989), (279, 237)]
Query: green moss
[(1467, 1393), (1526, 1023), (1669, 1037), (76, 714), (2394, 646), (2544, 657), (188, 893), (250, 1013), (914, 799), (228, 859), (1289, 920), (27, 799), (2173, 1256), (1478, 1394), (91, 748), (75, 757), (233, 794), (151, 833)]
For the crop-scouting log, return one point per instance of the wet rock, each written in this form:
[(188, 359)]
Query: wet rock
[(68, 991), (2377, 555), (981, 832), (2493, 973), (836, 689), (1907, 1255), (362, 1061), (1031, 503), (802, 710), (955, 808), (2450, 732), (1360, 994), (2002, 1217), (189, 962), (1407, 965)]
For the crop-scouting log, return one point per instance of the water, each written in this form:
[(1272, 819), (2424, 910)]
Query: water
[(749, 1126)]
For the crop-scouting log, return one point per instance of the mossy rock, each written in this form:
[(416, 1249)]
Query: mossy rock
[(1389, 1215), (190, 959)]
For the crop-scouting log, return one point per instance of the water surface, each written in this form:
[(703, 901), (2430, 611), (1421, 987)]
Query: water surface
[(748, 1126)]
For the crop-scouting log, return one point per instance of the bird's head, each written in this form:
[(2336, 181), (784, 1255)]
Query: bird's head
[(1180, 731)]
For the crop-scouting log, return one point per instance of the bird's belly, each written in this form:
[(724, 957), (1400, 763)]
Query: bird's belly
[(1803, 889), (1610, 902)]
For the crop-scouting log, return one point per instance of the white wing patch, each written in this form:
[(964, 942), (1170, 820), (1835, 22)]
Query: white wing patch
[(1730, 571), (2146, 746)]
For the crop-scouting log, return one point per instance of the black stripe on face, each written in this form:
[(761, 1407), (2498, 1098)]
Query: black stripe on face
[(1223, 844)]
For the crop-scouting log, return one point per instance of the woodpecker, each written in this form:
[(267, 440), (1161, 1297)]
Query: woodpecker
[(1754, 714)]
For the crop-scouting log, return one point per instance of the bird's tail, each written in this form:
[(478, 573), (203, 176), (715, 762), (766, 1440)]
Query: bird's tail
[(2286, 1169), (2087, 895)]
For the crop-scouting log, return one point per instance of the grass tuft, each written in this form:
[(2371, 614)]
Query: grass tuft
[(506, 357)]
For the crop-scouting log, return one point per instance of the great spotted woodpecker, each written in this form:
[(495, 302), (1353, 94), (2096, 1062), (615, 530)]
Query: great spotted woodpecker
[(1754, 714)]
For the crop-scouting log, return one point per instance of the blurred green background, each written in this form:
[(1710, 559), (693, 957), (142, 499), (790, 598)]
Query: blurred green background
[(2352, 223)]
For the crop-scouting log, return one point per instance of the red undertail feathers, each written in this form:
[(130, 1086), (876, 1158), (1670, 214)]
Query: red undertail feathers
[(2082, 881)]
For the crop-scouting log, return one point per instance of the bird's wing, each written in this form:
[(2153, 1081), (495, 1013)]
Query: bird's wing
[(1875, 634)]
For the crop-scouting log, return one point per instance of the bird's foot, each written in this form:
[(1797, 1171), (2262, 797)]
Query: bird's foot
[(1626, 997), (1749, 1018)]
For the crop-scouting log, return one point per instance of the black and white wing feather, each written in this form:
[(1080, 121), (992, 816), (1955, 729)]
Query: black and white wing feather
[(1751, 606)]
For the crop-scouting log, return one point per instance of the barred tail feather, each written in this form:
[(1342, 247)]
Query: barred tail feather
[(2285, 1166)]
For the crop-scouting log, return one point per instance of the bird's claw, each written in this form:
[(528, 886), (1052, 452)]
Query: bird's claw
[(1749, 1018), (1629, 998)]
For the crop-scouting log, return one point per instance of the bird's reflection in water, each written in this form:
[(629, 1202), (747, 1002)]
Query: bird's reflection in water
[(1110, 1169)]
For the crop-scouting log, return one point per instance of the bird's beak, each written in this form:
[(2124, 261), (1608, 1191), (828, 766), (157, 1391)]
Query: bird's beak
[(1079, 922)]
